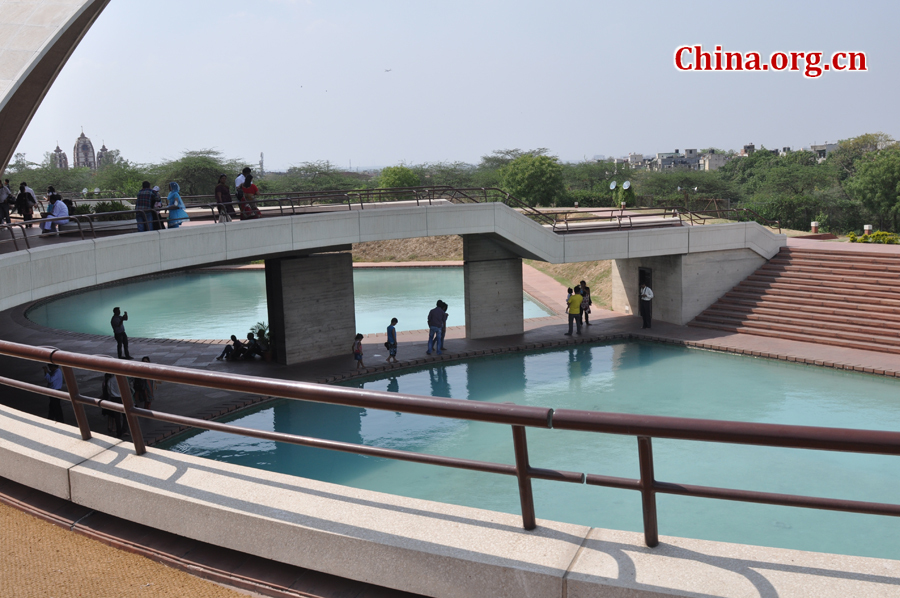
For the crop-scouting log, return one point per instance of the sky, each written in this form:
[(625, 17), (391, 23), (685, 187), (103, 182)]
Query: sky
[(369, 84)]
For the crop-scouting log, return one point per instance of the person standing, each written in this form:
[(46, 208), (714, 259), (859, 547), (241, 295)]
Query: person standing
[(144, 207), (249, 191), (435, 323), (391, 343), (115, 421), (57, 209), (444, 307), (177, 213), (144, 389), (586, 302), (646, 305), (239, 181), (358, 351), (53, 376), (223, 200), (25, 202), (118, 326), (574, 310), (7, 200)]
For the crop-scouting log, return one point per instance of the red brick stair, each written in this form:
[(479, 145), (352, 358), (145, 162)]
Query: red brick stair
[(821, 296)]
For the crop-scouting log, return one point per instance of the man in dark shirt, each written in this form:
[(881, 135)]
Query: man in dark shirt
[(146, 199), (118, 326), (435, 324)]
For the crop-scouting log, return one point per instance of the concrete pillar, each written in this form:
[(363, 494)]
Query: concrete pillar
[(493, 287), (311, 306), (683, 285)]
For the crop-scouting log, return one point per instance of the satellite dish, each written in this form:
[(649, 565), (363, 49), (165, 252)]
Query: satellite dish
[(97, 190), (626, 185), (695, 189), (612, 185), (679, 188), (84, 191)]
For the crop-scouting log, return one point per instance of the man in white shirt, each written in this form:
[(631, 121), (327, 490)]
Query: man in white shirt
[(646, 305), (239, 182), (57, 209)]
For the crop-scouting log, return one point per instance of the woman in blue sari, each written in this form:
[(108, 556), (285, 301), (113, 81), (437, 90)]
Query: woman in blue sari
[(177, 215)]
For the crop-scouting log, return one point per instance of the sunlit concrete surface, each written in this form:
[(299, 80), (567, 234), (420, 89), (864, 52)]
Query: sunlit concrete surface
[(36, 39)]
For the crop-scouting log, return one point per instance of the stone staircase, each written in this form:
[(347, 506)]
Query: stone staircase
[(828, 297)]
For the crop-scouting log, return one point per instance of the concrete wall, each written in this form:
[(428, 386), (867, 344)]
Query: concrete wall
[(683, 285), (492, 276), (311, 306)]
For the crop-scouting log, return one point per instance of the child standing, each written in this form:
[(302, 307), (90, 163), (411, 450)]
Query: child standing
[(391, 343), (569, 296), (358, 351)]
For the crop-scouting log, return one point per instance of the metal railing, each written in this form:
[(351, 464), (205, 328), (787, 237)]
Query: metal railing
[(565, 220), (643, 427), (701, 216)]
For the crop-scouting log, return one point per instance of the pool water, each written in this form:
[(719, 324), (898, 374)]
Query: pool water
[(640, 378), (215, 305)]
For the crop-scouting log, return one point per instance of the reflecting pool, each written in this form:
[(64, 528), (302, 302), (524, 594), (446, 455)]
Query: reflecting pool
[(640, 378), (215, 305)]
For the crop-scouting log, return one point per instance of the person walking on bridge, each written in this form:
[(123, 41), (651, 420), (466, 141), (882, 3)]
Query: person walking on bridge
[(177, 213), (143, 206)]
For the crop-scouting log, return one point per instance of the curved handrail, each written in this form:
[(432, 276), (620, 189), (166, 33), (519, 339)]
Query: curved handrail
[(644, 427)]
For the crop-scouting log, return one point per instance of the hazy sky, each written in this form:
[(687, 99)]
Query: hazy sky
[(303, 80)]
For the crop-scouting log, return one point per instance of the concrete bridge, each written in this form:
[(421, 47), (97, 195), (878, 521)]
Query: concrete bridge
[(309, 276)]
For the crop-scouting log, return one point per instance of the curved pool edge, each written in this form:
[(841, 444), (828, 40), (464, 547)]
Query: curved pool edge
[(411, 545)]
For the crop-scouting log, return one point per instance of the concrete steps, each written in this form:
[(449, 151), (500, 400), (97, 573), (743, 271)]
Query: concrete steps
[(828, 297)]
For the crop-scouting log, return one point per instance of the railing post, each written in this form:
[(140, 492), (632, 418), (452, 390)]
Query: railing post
[(648, 494), (134, 425), (525, 496), (74, 395)]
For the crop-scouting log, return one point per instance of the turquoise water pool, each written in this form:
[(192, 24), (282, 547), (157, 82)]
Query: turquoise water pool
[(641, 378), (215, 305)]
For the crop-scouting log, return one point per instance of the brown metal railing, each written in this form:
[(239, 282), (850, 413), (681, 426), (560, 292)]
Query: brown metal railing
[(643, 427), (701, 216)]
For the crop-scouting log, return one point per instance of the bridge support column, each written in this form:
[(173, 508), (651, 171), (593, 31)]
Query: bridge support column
[(493, 289), (311, 307)]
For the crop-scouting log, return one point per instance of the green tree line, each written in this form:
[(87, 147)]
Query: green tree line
[(858, 183)]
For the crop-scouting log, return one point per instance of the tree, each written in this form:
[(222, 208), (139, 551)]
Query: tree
[(877, 185), (850, 151), (536, 180), (196, 172), (497, 159), (397, 176)]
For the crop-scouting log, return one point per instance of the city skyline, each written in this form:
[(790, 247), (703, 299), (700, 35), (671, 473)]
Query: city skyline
[(374, 86)]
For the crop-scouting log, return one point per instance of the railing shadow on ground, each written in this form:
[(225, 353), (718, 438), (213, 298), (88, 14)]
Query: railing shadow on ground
[(644, 428)]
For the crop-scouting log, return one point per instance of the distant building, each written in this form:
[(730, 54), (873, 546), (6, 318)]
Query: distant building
[(689, 160), (712, 161), (60, 159), (103, 156), (748, 149), (84, 153), (823, 150), (637, 161)]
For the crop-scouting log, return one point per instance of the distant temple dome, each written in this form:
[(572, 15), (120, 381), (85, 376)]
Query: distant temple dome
[(103, 156), (60, 159), (84, 153)]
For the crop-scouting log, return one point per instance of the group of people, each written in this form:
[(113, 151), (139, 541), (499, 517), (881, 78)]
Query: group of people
[(244, 350), (437, 330), (149, 203), (578, 306), (25, 201), (245, 192)]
